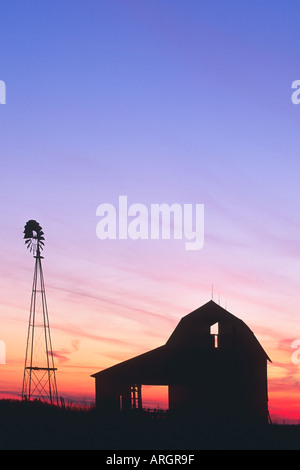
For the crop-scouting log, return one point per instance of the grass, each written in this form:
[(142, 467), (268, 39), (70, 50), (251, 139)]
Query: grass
[(38, 426)]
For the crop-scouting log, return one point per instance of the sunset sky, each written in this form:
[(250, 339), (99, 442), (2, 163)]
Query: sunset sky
[(162, 101)]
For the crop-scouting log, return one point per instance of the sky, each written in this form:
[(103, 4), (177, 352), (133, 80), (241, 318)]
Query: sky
[(162, 101)]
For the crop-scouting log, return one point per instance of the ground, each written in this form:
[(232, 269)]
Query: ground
[(36, 426)]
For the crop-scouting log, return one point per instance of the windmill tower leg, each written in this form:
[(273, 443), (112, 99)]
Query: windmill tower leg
[(39, 380)]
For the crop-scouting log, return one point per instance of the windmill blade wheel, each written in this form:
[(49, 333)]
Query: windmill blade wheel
[(34, 236)]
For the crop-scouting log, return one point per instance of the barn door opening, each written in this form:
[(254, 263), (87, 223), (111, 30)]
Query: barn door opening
[(155, 397)]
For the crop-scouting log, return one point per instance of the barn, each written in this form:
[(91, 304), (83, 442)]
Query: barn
[(213, 365)]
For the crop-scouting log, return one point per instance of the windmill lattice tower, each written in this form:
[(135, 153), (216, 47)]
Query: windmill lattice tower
[(39, 381)]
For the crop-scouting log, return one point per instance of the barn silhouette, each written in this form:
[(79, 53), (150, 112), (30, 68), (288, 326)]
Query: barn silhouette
[(213, 365)]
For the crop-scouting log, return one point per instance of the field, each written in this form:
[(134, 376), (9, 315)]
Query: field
[(36, 426)]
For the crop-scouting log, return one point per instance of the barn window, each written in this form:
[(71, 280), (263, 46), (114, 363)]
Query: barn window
[(214, 331)]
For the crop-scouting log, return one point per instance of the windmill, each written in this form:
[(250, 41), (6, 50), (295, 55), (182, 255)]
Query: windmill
[(39, 381)]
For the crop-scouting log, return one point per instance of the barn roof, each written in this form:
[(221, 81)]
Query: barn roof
[(186, 336), (200, 320)]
